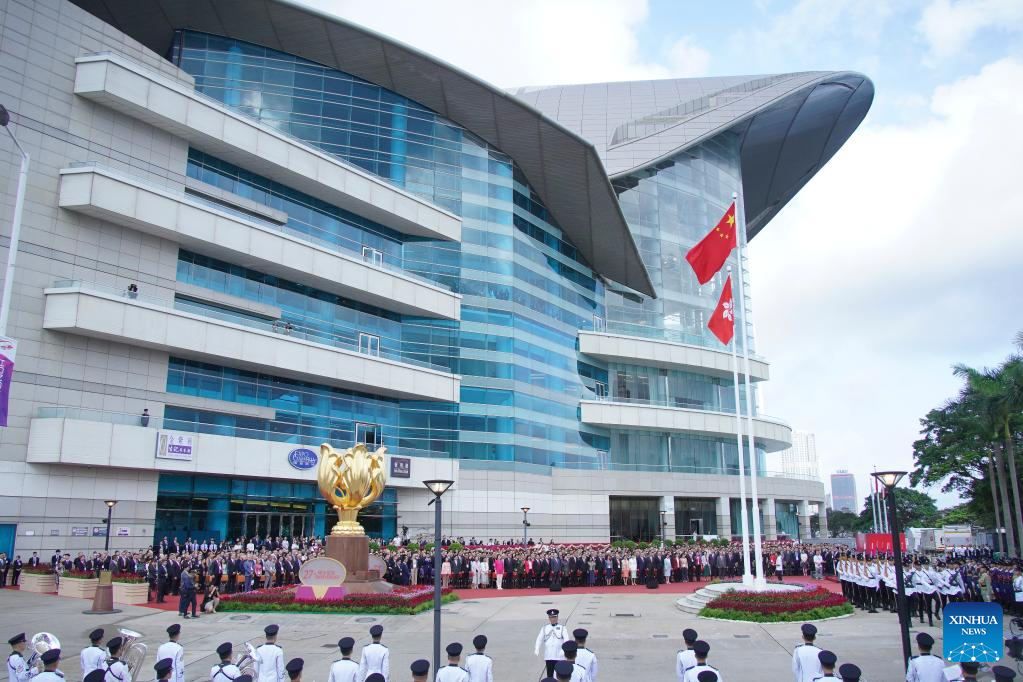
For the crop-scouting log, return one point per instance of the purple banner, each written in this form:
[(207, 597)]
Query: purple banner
[(7, 349)]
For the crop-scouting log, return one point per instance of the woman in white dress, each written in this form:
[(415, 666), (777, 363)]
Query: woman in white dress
[(633, 570)]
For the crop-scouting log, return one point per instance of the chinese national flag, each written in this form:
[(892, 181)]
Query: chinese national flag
[(710, 254), (722, 322)]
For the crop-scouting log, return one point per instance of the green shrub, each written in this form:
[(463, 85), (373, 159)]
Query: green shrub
[(456, 547), (374, 546), (790, 617)]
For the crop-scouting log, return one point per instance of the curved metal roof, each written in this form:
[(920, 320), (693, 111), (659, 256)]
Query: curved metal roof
[(569, 141), (562, 167), (790, 125)]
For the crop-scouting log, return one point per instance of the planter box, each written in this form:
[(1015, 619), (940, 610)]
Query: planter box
[(32, 582), (131, 593), (82, 588)]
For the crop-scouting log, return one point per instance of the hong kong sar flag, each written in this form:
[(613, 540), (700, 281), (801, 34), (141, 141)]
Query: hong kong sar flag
[(722, 322), (710, 254)]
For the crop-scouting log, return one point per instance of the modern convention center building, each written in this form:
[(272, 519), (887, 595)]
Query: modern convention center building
[(251, 228)]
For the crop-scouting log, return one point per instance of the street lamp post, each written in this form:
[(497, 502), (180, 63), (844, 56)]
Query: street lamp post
[(438, 488), (664, 527), (110, 511), (525, 526), (890, 479), (19, 207)]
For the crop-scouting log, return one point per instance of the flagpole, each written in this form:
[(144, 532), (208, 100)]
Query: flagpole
[(747, 577), (740, 242)]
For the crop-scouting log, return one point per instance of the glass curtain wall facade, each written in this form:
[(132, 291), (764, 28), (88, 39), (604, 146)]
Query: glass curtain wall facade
[(696, 515)]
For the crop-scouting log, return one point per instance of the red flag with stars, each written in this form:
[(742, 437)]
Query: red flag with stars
[(710, 254), (722, 322)]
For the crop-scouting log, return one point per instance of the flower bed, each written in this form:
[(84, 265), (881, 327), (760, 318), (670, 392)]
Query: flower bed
[(403, 600), (811, 603)]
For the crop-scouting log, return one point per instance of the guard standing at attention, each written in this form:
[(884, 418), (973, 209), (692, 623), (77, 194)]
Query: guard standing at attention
[(420, 668), (116, 670), (584, 656), (51, 660), (92, 656), (164, 668), (551, 637), (479, 666), (805, 662), (828, 660), (452, 672), (375, 657), (686, 658), (225, 671), (344, 670), (926, 667), (294, 669), (270, 662), (18, 669), (701, 649), (173, 651)]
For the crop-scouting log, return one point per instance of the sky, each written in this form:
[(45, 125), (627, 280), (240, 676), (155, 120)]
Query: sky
[(903, 256)]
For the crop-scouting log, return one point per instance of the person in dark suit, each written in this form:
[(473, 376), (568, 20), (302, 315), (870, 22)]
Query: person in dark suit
[(162, 580), (231, 565)]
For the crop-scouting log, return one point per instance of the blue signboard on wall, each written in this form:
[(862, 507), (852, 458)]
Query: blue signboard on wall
[(302, 458)]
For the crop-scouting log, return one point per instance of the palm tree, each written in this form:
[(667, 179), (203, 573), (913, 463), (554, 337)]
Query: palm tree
[(1009, 403), (986, 392)]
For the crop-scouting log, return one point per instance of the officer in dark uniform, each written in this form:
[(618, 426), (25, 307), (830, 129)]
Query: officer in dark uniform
[(828, 660), (420, 670)]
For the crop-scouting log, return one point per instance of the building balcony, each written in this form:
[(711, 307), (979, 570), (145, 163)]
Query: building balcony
[(772, 434), (239, 340), (84, 437), (171, 104), (266, 246), (655, 352)]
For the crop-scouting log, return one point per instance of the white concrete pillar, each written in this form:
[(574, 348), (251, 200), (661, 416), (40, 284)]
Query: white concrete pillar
[(803, 510), (822, 514), (668, 507), (770, 519), (724, 517)]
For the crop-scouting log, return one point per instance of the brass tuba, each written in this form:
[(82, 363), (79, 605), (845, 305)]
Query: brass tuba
[(133, 652), (247, 662), (41, 643)]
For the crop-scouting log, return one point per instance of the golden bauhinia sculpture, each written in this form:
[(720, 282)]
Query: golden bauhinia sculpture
[(350, 481)]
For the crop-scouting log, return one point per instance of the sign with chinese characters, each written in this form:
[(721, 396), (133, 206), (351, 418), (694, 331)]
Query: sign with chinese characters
[(401, 467), (302, 458), (79, 531), (123, 532), (171, 445), (54, 531), (99, 531)]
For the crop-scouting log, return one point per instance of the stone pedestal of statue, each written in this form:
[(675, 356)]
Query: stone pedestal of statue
[(353, 552)]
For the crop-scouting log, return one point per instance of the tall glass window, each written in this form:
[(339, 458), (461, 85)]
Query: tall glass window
[(696, 516), (634, 518)]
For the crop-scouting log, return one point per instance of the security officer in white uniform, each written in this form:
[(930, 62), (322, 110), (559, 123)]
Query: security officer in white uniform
[(269, 663), (95, 676), (116, 670), (18, 669), (686, 658), (828, 660), (926, 667), (164, 669), (225, 671), (175, 652), (805, 662), (452, 672), (551, 637), (702, 649), (584, 656), (578, 672), (479, 666), (345, 669), (92, 656), (294, 669), (50, 659), (374, 657)]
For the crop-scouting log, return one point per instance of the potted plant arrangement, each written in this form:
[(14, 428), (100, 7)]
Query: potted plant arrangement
[(80, 584), (38, 579), (130, 589)]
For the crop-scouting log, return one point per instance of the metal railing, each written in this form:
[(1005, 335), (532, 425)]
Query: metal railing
[(671, 335), (389, 264), (676, 404), (279, 327)]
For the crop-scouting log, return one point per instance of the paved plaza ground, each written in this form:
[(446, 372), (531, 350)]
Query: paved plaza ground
[(635, 635)]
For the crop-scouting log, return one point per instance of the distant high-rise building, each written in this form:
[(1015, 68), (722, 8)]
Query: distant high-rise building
[(827, 501), (843, 492), (800, 460)]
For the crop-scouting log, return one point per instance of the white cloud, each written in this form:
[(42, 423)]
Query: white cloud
[(530, 42), (687, 59), (899, 259), (948, 27)]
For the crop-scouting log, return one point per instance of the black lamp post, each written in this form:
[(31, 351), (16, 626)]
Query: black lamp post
[(525, 526), (890, 479), (110, 510), (438, 488), (664, 526)]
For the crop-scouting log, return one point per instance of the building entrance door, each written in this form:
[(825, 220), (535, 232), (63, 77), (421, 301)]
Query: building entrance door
[(7, 534)]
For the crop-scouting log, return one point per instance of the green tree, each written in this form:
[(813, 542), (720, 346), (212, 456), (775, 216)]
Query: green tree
[(915, 509), (842, 522), (961, 514)]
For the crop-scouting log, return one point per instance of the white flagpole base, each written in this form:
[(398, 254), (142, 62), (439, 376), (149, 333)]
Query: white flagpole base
[(760, 584), (747, 580)]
